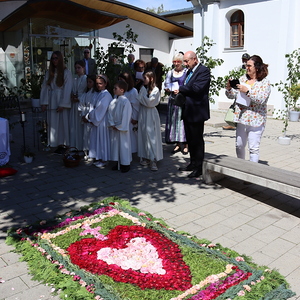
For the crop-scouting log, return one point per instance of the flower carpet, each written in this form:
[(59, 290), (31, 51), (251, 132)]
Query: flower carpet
[(110, 250)]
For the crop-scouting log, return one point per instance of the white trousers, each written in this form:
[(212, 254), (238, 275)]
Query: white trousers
[(251, 134)]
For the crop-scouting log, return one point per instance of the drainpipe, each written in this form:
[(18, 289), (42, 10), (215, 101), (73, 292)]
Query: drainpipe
[(202, 19)]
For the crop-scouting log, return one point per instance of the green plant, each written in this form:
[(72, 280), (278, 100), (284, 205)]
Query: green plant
[(31, 86), (295, 94), (8, 100), (28, 153), (216, 83), (236, 73), (119, 50), (290, 89)]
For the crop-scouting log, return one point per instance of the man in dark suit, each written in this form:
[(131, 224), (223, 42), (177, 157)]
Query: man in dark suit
[(195, 111), (90, 63)]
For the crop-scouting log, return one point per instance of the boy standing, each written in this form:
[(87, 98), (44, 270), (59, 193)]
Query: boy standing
[(119, 116)]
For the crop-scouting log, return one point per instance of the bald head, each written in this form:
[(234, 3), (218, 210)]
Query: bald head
[(190, 59)]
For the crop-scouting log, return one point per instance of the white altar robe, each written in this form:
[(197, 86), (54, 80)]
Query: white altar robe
[(119, 116), (54, 97), (132, 96), (149, 135), (4, 142), (99, 137)]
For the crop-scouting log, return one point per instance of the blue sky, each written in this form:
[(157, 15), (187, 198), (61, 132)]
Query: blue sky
[(168, 4)]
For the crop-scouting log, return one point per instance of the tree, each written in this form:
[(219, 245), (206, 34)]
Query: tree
[(216, 83), (158, 10), (118, 49)]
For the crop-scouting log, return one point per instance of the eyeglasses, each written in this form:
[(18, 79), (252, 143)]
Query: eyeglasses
[(86, 52), (249, 66), (54, 58)]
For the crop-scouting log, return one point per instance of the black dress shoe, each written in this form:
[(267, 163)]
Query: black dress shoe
[(187, 168), (176, 149), (195, 173), (115, 167), (124, 168)]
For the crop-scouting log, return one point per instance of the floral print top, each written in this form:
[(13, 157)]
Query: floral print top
[(256, 113)]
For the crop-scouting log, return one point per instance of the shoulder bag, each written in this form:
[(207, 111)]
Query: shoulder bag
[(229, 117)]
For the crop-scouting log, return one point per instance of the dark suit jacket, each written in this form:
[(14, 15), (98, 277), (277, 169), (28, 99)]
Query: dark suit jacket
[(196, 91), (92, 66)]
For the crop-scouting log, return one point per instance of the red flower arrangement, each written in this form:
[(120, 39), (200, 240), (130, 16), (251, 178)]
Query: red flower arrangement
[(177, 277)]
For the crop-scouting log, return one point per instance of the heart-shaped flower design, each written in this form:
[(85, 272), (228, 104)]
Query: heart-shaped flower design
[(170, 271)]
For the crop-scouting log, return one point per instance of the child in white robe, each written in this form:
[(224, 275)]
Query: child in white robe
[(149, 136), (79, 87), (132, 95), (119, 117), (99, 137), (86, 104), (55, 99)]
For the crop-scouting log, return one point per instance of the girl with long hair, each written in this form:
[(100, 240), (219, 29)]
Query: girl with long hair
[(55, 98), (149, 136)]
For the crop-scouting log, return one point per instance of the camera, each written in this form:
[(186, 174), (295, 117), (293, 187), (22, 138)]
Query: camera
[(233, 83)]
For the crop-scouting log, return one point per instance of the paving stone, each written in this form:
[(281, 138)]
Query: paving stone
[(259, 222), (214, 232), (270, 233), (10, 258), (242, 233), (13, 270), (277, 248), (11, 287), (39, 292), (286, 264)]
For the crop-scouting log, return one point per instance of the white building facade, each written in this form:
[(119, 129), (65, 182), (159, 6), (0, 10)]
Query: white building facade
[(269, 28)]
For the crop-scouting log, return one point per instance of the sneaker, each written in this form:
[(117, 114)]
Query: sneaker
[(145, 162), (153, 166), (100, 164)]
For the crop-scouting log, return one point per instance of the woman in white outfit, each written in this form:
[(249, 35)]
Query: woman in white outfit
[(252, 95)]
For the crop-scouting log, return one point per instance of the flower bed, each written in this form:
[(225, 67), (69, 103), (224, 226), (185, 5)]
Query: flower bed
[(111, 250)]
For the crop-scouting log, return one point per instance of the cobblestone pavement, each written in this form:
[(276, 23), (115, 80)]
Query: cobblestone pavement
[(250, 219)]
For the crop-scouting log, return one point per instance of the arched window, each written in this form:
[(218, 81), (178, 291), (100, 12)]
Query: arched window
[(237, 29)]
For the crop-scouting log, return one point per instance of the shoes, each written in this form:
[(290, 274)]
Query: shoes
[(145, 162), (228, 127), (185, 151), (153, 166), (187, 168), (100, 164), (115, 167), (96, 162), (176, 149), (61, 150), (195, 173), (124, 168)]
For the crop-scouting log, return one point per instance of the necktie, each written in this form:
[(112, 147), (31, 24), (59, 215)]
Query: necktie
[(188, 77)]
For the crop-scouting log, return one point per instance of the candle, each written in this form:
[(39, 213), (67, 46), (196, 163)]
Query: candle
[(23, 119)]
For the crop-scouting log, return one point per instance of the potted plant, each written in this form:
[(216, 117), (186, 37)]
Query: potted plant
[(28, 156), (290, 90), (295, 95), (32, 88)]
